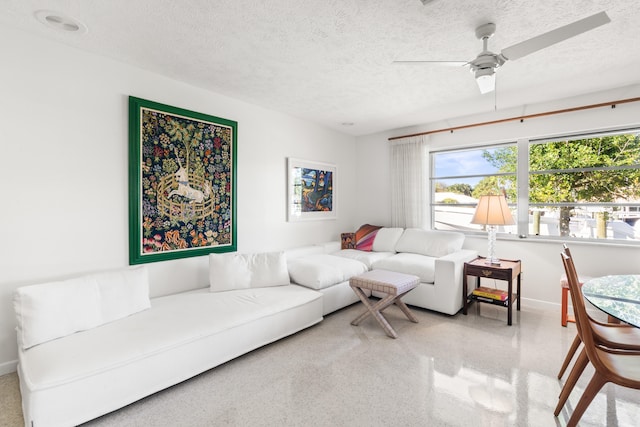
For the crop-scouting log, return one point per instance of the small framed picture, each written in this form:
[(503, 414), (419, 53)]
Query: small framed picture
[(312, 190)]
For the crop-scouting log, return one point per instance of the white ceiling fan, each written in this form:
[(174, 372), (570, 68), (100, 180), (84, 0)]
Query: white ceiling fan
[(486, 63)]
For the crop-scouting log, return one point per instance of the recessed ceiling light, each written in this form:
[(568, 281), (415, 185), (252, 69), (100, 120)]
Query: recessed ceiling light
[(347, 123), (60, 22)]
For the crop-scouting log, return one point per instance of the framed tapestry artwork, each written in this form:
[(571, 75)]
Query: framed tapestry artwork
[(312, 190), (182, 183)]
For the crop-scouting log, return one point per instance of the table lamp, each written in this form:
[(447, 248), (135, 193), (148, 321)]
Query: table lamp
[(491, 211)]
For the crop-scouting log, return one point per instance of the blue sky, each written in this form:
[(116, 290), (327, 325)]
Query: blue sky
[(464, 162)]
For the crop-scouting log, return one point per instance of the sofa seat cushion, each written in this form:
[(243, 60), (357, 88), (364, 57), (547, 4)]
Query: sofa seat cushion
[(323, 270), (367, 258), (171, 322), (419, 265)]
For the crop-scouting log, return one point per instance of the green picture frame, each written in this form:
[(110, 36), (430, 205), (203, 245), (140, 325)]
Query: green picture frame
[(182, 183)]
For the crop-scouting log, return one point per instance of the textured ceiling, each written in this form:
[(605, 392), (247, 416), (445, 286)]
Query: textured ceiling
[(331, 61)]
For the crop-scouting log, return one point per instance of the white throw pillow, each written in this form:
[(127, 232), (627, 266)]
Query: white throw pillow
[(430, 242), (268, 269), (228, 272), (123, 292), (52, 310), (242, 271), (386, 239)]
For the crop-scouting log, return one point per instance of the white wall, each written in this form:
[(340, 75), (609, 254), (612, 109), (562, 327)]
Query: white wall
[(64, 170), (63, 116), (541, 260)]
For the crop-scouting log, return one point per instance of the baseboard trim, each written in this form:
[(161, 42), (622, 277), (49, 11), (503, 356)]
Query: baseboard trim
[(540, 304), (554, 306), (8, 367)]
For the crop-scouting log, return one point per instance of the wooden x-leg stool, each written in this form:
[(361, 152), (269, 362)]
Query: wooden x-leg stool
[(393, 285)]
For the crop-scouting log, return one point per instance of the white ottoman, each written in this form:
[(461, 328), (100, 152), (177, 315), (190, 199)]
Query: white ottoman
[(393, 284)]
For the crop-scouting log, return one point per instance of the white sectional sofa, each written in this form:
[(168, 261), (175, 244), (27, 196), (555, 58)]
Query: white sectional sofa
[(436, 257), (91, 345)]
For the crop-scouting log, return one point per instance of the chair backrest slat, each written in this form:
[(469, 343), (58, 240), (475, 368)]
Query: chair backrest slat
[(583, 323)]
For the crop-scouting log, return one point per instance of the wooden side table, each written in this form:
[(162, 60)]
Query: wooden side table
[(508, 270)]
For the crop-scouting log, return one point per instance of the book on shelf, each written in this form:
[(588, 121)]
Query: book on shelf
[(492, 293)]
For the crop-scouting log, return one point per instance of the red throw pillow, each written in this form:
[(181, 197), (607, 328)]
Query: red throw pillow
[(365, 237)]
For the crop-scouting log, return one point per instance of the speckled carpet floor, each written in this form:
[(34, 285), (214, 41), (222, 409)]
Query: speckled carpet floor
[(469, 370)]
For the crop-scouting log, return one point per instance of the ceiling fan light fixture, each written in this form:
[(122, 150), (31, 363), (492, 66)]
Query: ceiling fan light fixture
[(486, 79), (485, 64)]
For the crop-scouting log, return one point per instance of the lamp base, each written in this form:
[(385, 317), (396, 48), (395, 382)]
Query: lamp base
[(491, 248)]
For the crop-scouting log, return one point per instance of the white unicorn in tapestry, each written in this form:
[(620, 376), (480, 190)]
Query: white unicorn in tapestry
[(185, 190)]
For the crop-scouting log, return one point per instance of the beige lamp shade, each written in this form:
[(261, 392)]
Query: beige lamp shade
[(492, 210)]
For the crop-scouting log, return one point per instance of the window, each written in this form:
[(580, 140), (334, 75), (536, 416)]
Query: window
[(585, 187), (460, 177)]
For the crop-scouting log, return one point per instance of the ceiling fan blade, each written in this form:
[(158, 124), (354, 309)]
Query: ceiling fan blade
[(555, 36), (445, 63)]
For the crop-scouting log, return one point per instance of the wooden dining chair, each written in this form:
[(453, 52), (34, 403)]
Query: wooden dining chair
[(621, 367), (616, 336), (565, 317), (612, 335)]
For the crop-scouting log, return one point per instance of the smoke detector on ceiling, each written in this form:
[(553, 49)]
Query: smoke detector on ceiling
[(60, 22)]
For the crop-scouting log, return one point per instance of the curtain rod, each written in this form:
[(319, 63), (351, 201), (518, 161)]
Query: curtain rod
[(521, 118)]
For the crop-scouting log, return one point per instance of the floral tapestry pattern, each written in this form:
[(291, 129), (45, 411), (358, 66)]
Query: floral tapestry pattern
[(186, 184)]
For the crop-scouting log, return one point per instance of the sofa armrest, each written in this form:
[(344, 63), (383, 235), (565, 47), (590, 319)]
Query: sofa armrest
[(448, 273)]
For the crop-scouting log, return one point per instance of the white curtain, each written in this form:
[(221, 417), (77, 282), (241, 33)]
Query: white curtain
[(409, 182)]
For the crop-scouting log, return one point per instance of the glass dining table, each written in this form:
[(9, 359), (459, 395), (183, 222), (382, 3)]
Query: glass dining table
[(617, 295)]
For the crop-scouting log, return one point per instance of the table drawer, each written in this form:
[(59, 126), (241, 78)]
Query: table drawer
[(480, 271)]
